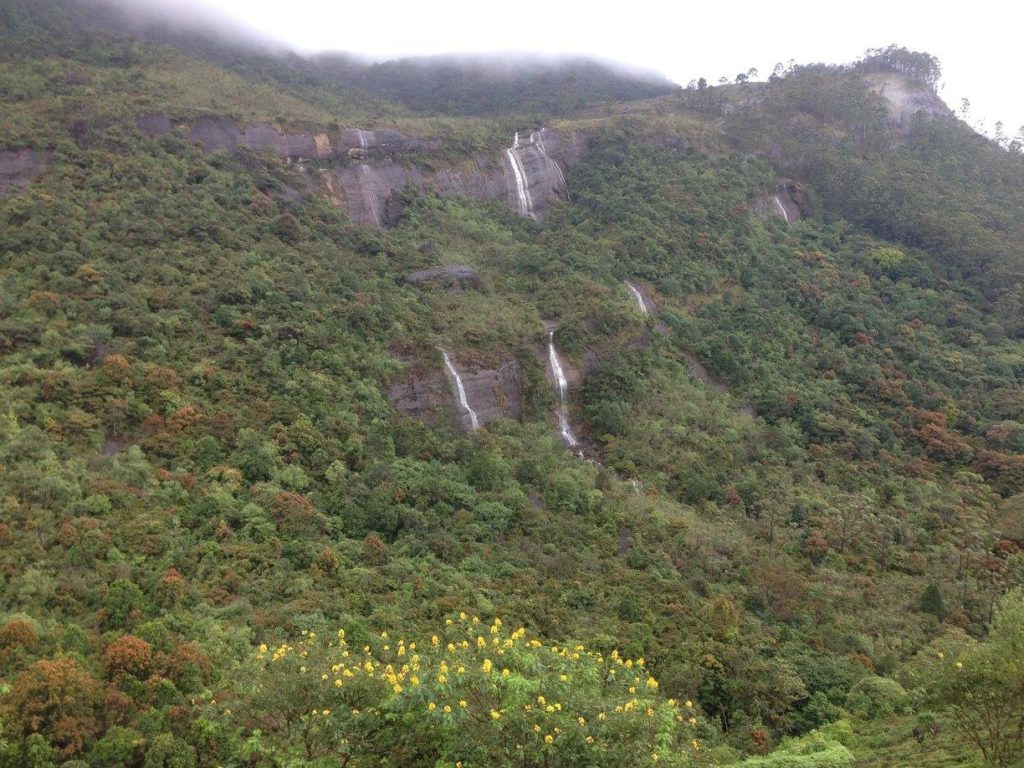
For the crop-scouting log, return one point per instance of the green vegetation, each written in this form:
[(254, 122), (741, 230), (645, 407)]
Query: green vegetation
[(204, 479)]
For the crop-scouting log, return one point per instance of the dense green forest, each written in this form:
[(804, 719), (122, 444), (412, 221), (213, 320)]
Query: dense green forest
[(795, 532)]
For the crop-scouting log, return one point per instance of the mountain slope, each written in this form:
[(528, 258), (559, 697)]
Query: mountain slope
[(798, 471)]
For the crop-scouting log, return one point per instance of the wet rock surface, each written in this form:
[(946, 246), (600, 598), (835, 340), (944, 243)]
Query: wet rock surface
[(793, 198), (452, 275), (542, 158), (368, 179), (789, 202), (367, 190), (421, 395), (493, 393)]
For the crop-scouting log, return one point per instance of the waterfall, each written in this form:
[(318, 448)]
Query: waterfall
[(538, 140), (782, 208), (461, 390), (369, 193), (563, 386), (638, 296), (519, 172), (362, 138)]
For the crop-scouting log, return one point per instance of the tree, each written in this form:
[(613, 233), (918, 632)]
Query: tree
[(127, 657), (59, 700), (980, 685), (931, 602), (123, 603), (1017, 142)]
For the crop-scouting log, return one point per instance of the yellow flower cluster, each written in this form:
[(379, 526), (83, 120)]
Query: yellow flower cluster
[(495, 678)]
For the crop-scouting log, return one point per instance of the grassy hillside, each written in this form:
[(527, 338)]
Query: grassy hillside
[(204, 479)]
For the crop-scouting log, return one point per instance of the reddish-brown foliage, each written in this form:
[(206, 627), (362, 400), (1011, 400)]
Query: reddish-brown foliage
[(171, 587), (160, 378), (59, 700), (67, 535), (17, 633), (327, 562), (374, 550), (188, 659), (117, 368), (127, 656), (184, 418), (293, 514), (16, 639)]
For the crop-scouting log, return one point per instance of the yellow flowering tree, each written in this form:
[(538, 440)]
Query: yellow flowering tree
[(980, 685), (473, 694)]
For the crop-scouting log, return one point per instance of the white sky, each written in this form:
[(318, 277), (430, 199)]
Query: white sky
[(978, 45)]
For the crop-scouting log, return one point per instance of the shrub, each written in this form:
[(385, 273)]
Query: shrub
[(875, 696), (474, 693)]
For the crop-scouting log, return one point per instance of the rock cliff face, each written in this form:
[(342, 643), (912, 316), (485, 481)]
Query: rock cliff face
[(368, 189), (793, 199), (541, 159), (421, 395), (789, 202), (371, 166), (220, 134), (493, 393), (450, 276), (18, 169)]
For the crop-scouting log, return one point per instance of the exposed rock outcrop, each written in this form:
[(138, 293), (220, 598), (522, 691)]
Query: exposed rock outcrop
[(789, 202), (18, 169), (154, 124), (534, 173), (452, 275), (421, 395), (492, 393), (218, 134), (366, 190), (367, 179), (495, 393)]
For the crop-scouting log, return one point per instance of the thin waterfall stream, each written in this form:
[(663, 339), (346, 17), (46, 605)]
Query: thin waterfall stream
[(635, 292), (461, 391), (781, 207), (563, 386)]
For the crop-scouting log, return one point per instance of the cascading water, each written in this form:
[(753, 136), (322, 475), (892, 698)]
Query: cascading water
[(638, 296), (782, 208), (563, 386), (522, 187), (362, 138), (461, 391)]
